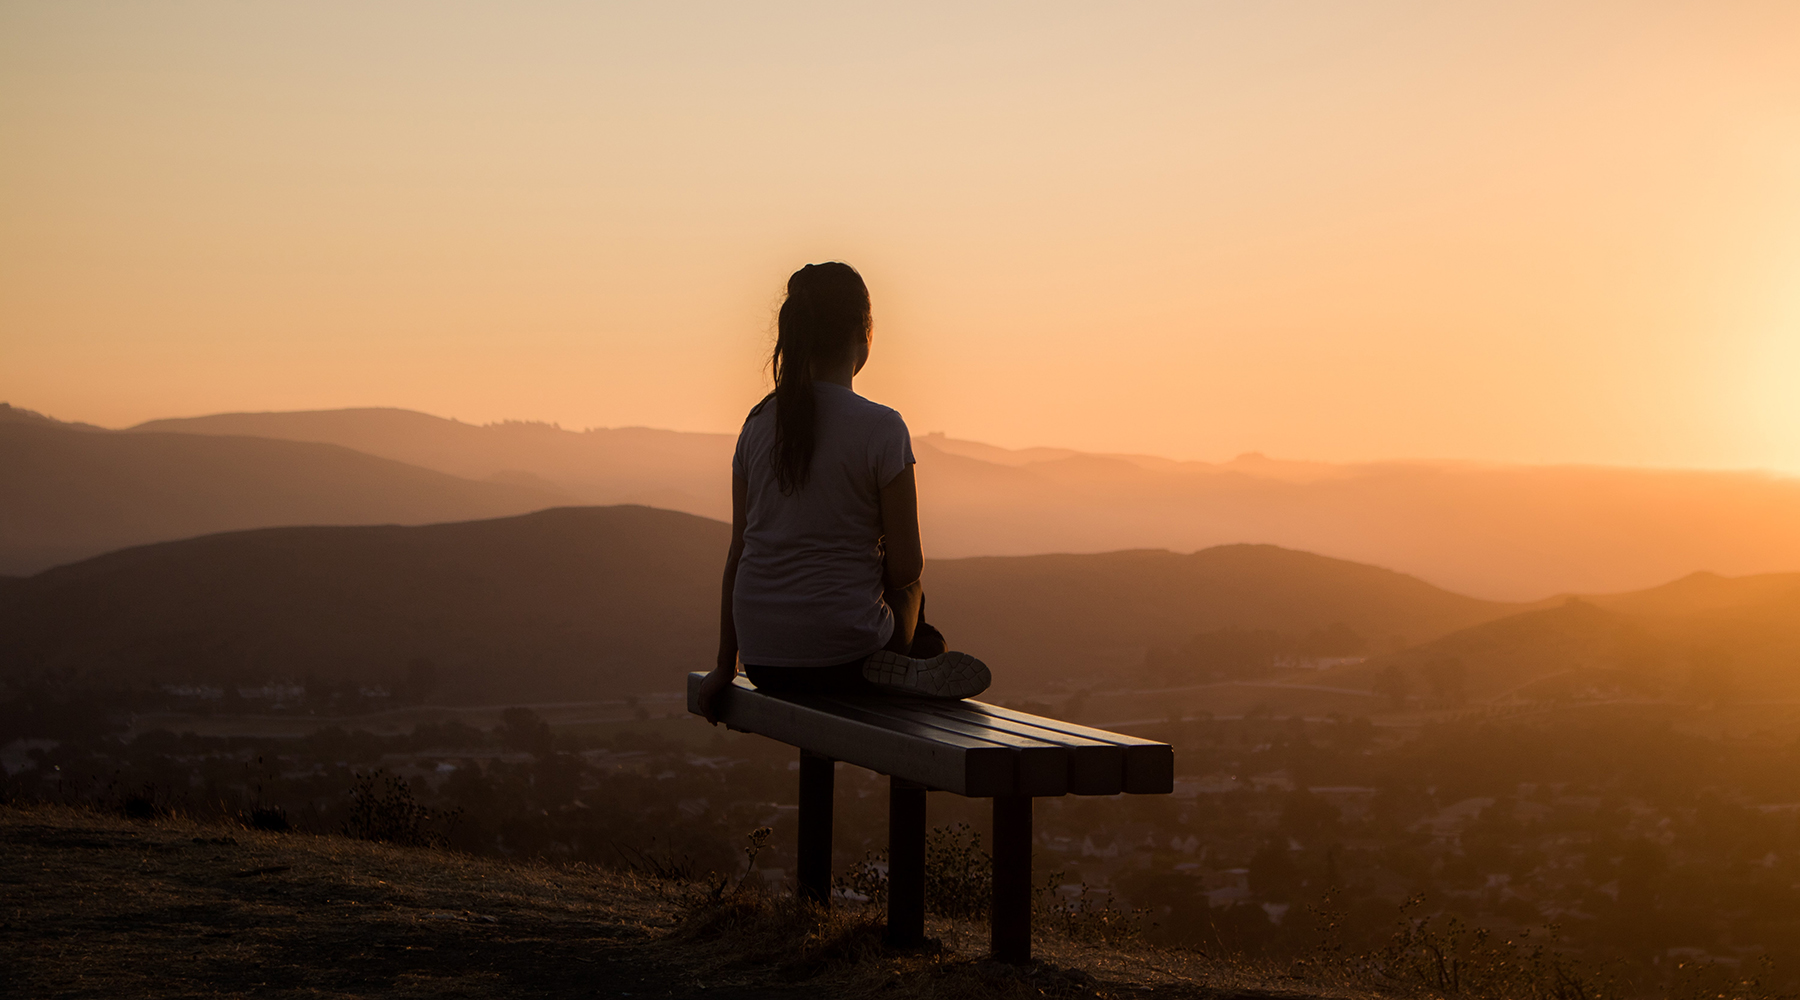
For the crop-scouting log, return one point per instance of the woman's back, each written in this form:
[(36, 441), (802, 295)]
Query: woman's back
[(822, 589), (809, 586)]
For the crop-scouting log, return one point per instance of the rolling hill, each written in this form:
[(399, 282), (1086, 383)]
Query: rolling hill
[(570, 603), (1513, 532), (70, 492), (1081, 618), (1704, 639), (1703, 594), (582, 603)]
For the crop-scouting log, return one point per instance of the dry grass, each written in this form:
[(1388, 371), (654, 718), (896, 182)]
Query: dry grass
[(96, 905), (758, 939)]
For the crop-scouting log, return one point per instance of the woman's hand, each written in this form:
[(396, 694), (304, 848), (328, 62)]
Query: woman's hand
[(716, 683)]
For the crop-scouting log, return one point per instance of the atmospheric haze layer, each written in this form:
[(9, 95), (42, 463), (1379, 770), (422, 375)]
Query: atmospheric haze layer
[(1508, 532)]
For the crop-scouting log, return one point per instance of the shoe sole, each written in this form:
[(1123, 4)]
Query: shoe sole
[(949, 675)]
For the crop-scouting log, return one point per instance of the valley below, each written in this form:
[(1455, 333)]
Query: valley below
[(1369, 765)]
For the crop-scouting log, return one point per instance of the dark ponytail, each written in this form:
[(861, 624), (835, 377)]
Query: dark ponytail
[(826, 314)]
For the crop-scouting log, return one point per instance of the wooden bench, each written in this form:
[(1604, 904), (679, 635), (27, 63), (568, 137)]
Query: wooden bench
[(967, 747)]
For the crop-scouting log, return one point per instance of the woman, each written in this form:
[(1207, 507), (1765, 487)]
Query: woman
[(822, 590)]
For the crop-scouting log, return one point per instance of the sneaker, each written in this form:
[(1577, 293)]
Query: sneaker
[(946, 675)]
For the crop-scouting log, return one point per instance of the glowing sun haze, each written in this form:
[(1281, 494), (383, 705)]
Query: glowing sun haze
[(1509, 231)]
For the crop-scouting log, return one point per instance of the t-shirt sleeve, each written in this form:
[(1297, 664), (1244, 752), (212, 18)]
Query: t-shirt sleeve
[(740, 469), (891, 449)]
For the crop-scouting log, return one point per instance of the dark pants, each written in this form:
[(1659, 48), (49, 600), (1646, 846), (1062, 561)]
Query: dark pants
[(839, 678)]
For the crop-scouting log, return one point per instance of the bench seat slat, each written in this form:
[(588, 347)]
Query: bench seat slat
[(1043, 765), (900, 747), (1149, 765), (919, 712), (968, 747), (1095, 767)]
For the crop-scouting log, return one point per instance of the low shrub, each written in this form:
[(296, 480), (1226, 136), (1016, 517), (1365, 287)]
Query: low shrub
[(382, 808)]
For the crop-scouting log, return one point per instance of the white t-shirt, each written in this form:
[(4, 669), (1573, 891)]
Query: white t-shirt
[(809, 583)]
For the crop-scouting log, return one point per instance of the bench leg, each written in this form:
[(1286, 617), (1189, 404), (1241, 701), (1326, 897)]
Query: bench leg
[(814, 854), (906, 864), (1011, 931)]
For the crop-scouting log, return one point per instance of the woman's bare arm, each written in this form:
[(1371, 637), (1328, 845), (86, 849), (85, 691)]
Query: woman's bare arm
[(726, 668), (903, 557)]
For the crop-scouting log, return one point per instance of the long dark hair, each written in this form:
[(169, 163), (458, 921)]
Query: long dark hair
[(826, 314)]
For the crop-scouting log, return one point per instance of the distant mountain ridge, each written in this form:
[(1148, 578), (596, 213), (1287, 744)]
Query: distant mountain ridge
[(1702, 594), (10, 414), (566, 603), (1080, 619), (1503, 531), (596, 602), (592, 602), (70, 492), (669, 469), (1623, 648)]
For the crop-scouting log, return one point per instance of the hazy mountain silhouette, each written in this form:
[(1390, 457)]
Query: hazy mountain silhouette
[(1510, 531), (1700, 639), (10, 414), (677, 471), (579, 603), (569, 602), (71, 492), (1700, 595), (1518, 532), (1081, 618)]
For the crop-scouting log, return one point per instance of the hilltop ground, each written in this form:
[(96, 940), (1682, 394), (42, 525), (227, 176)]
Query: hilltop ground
[(93, 904)]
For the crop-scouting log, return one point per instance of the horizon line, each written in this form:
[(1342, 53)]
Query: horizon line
[(1255, 454)]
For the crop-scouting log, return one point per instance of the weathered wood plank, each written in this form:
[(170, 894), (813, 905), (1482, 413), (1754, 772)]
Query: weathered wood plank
[(968, 747), (1042, 765), (1149, 765), (930, 756), (1095, 767)]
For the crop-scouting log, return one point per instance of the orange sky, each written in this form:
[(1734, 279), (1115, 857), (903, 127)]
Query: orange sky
[(1515, 231)]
